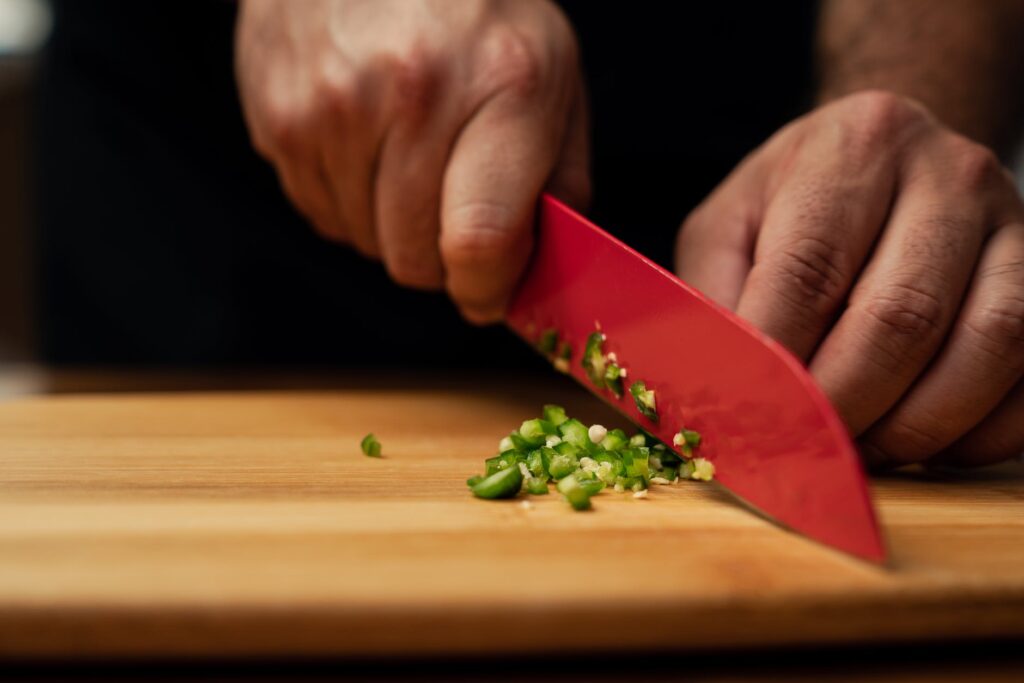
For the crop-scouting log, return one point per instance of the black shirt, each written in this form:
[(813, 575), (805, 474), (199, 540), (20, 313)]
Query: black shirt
[(163, 238)]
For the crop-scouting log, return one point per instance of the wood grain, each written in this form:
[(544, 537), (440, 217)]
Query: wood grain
[(249, 523)]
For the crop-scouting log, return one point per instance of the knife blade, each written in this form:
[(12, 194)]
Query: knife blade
[(774, 438)]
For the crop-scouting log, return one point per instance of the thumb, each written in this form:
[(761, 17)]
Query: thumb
[(497, 169)]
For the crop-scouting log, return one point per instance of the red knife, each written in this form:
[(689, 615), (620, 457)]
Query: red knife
[(774, 438)]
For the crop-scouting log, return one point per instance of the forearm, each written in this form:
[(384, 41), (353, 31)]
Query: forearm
[(963, 59)]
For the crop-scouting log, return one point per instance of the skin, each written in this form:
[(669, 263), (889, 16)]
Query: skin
[(420, 133), (880, 240), (877, 237)]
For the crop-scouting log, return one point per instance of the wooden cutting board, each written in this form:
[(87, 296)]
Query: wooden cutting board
[(250, 524)]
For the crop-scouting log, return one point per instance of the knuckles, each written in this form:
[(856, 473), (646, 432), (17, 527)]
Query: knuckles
[(509, 62), (974, 168), (903, 317), (999, 325), (808, 274), (874, 120), (283, 124), (336, 91), (478, 234)]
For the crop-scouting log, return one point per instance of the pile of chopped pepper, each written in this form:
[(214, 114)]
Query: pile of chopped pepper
[(582, 461)]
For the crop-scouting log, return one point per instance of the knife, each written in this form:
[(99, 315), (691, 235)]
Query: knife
[(774, 438)]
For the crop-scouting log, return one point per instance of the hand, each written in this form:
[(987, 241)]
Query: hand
[(887, 252), (422, 133)]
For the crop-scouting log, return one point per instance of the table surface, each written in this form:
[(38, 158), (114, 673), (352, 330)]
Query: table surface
[(247, 523)]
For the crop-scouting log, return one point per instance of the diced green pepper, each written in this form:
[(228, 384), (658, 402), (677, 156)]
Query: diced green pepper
[(562, 466), (535, 463), (592, 486), (567, 448), (519, 443), (593, 358), (635, 461), (548, 341), (555, 414), (535, 432), (536, 486), (687, 441), (562, 359), (503, 484), (615, 440), (644, 399), (703, 470), (577, 496), (574, 432), (370, 446), (473, 481), (613, 379)]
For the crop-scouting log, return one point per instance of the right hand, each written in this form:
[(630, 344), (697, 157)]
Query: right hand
[(421, 133)]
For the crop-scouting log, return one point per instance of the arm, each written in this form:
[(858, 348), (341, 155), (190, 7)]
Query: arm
[(962, 59)]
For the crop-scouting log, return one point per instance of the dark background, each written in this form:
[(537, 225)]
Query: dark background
[(161, 238)]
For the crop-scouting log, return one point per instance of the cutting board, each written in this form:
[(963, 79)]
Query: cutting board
[(235, 524)]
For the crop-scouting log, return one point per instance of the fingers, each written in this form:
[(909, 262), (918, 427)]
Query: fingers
[(906, 298), (348, 143), (982, 360), (408, 182), (570, 181), (306, 185), (714, 248), (500, 162), (816, 232), (999, 437)]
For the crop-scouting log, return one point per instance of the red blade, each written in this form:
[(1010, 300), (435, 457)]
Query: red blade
[(773, 436)]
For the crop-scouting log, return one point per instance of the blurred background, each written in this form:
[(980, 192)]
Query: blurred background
[(250, 297), (24, 27)]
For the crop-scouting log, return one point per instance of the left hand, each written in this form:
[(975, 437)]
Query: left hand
[(887, 252)]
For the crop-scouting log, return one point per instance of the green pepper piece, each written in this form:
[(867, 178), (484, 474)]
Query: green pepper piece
[(503, 484), (535, 463), (555, 414), (548, 341), (577, 496), (574, 432), (562, 466), (592, 486), (636, 463), (537, 486), (535, 432), (644, 399), (473, 481), (519, 443), (594, 360), (370, 446), (613, 379), (566, 448), (614, 440)]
